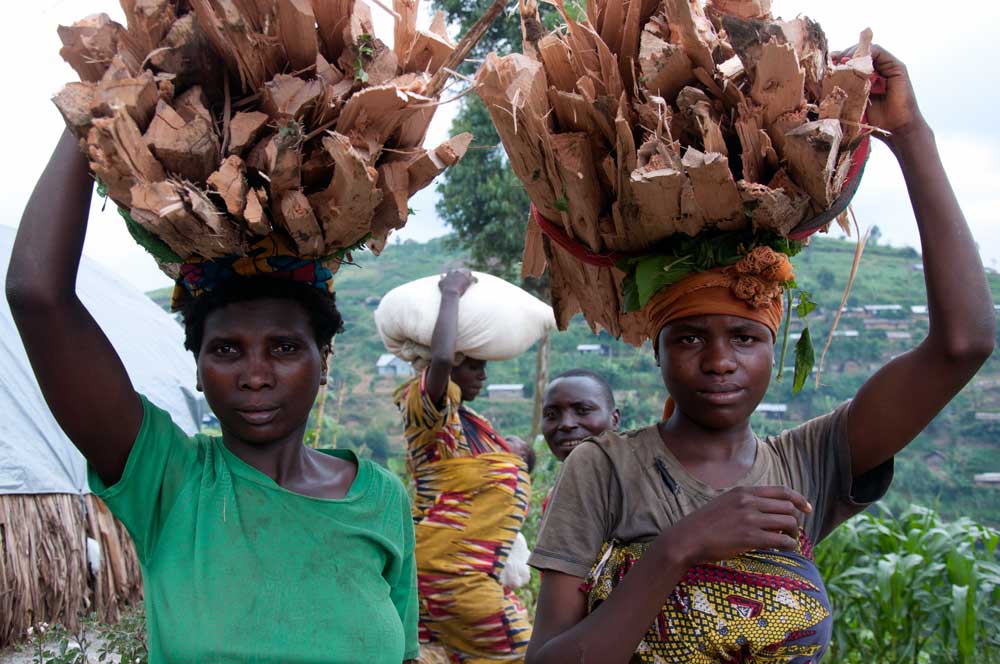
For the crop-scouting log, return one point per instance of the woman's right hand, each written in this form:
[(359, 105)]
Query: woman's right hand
[(740, 520), (456, 281)]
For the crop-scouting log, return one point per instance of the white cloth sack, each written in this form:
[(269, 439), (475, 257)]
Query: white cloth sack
[(517, 573), (496, 320)]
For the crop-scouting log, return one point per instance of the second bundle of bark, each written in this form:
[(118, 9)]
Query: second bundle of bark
[(647, 118)]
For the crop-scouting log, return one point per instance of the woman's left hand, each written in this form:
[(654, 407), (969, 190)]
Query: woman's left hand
[(896, 110)]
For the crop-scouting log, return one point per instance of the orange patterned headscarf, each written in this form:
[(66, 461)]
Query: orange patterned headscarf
[(752, 288)]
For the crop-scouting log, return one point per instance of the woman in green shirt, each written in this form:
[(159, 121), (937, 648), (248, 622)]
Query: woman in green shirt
[(254, 548)]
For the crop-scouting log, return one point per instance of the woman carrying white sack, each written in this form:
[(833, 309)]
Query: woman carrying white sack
[(472, 484)]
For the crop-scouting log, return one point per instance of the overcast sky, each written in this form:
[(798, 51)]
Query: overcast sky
[(948, 55)]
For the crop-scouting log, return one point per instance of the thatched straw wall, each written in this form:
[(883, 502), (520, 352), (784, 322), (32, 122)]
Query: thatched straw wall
[(44, 575)]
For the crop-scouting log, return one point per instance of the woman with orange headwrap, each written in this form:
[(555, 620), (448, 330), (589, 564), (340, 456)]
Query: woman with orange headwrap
[(691, 539)]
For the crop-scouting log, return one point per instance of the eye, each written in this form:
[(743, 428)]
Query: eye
[(225, 349), (286, 347), (745, 339), (689, 339), (583, 410)]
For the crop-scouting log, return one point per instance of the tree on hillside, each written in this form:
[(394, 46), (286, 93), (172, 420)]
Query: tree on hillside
[(481, 198)]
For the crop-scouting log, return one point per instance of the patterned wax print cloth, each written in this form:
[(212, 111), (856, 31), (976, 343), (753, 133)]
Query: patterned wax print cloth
[(765, 607), (472, 496), (271, 256)]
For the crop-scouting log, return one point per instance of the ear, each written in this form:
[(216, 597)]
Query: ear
[(616, 418)]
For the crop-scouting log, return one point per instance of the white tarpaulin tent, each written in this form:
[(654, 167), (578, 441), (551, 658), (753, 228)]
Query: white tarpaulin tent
[(35, 455), (61, 551)]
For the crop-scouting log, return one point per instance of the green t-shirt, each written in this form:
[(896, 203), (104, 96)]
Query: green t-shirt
[(238, 569)]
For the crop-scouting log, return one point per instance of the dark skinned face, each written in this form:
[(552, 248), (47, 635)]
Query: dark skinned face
[(717, 368), (260, 369), (575, 407), (470, 375)]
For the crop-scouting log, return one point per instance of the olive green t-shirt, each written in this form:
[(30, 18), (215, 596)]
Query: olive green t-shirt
[(629, 487), (238, 569)]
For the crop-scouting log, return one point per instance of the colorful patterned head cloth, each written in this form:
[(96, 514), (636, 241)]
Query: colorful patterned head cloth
[(752, 288), (271, 256)]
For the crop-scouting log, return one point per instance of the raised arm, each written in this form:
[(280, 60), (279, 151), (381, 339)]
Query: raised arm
[(895, 404), (79, 372), (453, 286)]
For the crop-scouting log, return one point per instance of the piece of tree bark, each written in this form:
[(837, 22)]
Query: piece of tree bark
[(188, 148), (666, 68), (118, 88), (230, 182), (287, 98), (778, 81), (811, 152), (405, 30), (297, 32), (300, 222), (284, 162), (581, 193), (714, 189), (345, 207), (90, 44), (255, 212), (244, 129), (75, 102)]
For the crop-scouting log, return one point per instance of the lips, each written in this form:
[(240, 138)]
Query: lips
[(722, 393), (258, 415)]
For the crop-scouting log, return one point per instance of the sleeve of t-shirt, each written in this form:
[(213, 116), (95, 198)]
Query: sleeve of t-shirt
[(582, 512), (403, 580), (817, 455), (421, 411), (161, 462)]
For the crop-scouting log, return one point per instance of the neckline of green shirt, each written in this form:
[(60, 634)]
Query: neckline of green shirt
[(359, 487)]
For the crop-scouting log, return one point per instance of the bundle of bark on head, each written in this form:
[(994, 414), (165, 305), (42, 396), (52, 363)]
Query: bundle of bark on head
[(212, 122), (648, 118)]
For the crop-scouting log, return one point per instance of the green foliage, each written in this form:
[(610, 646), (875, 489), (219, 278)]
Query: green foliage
[(364, 50), (912, 589), (681, 255), (124, 641), (804, 361)]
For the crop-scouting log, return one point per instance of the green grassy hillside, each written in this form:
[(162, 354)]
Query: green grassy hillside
[(938, 468)]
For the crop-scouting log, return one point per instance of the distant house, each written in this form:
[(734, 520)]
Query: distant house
[(505, 391), (846, 333), (390, 365), (594, 349), (372, 301), (919, 309), (987, 383), (987, 479), (884, 324), (917, 267), (898, 336), (880, 309), (772, 410), (987, 417)]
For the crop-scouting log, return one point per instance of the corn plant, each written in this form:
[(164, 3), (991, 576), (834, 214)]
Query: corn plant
[(914, 589)]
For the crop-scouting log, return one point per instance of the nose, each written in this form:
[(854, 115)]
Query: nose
[(256, 373), (718, 357), (567, 422)]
